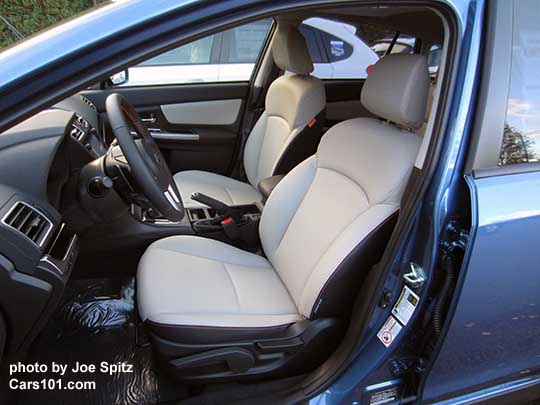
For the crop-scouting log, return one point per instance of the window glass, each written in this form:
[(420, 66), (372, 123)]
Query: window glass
[(194, 53), (382, 46), (243, 44), (205, 60), (434, 57), (312, 42), (521, 138), (335, 49)]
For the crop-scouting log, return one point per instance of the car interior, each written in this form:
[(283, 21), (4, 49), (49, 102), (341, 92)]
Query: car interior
[(215, 235)]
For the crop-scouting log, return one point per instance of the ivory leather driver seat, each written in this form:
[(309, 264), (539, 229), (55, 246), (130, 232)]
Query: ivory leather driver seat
[(287, 132), (215, 312)]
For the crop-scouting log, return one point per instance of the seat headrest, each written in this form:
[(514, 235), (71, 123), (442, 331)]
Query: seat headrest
[(290, 51), (397, 89)]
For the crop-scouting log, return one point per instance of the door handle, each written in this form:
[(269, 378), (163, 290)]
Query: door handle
[(148, 118), (173, 136)]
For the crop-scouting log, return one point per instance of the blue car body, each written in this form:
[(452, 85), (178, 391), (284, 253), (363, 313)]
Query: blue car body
[(490, 344)]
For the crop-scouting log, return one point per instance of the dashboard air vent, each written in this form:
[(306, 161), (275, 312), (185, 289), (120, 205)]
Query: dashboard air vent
[(28, 221), (79, 127), (77, 133), (87, 101)]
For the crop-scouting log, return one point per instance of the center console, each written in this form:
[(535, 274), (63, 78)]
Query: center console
[(236, 225), (239, 226)]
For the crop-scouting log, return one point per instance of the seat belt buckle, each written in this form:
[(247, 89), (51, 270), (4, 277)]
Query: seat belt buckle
[(230, 228)]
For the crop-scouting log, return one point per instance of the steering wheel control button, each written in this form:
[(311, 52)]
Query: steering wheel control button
[(119, 156), (99, 186)]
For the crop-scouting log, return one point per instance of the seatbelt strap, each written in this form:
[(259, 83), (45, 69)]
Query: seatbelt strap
[(391, 46)]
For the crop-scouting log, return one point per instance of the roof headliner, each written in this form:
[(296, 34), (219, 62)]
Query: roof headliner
[(419, 22)]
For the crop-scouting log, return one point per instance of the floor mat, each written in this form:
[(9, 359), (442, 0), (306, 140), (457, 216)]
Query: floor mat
[(95, 325)]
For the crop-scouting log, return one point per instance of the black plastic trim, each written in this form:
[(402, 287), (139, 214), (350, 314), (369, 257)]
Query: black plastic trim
[(337, 295), (303, 145), (148, 96), (205, 353)]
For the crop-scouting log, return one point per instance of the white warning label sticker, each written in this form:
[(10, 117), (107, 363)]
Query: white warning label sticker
[(405, 305), (389, 331)]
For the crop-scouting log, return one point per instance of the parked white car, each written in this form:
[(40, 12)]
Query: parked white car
[(230, 56)]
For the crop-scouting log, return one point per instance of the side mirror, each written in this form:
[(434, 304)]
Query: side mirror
[(119, 78)]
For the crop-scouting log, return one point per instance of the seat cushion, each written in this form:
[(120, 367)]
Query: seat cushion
[(225, 189), (193, 281)]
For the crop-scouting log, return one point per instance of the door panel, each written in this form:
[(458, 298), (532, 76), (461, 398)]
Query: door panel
[(192, 98), (195, 125), (494, 335), (157, 95), (492, 342), (213, 112)]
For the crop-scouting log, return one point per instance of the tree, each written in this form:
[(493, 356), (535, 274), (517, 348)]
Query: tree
[(31, 16), (516, 147)]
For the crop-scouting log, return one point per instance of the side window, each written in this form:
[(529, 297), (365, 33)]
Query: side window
[(194, 53), (335, 49), (313, 43), (243, 44), (434, 57), (205, 60), (521, 138), (402, 46)]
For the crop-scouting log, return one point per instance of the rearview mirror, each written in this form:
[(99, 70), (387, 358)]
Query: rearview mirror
[(119, 78)]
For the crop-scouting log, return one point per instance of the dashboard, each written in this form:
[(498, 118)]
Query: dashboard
[(40, 163), (84, 125), (88, 136)]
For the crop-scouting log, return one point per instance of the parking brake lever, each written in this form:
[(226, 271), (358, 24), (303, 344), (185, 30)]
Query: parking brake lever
[(220, 207)]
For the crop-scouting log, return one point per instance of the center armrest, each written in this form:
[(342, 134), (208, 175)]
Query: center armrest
[(267, 185)]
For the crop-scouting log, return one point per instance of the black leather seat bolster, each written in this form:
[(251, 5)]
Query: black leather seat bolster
[(338, 293), (302, 146)]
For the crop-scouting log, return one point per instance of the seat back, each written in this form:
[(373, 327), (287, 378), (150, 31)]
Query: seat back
[(286, 133), (329, 219)]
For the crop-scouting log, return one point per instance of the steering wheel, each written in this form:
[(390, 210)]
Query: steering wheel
[(147, 165)]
